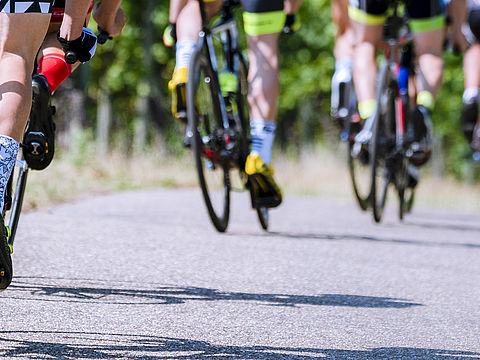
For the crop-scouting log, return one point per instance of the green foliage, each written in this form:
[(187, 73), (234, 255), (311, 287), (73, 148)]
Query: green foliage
[(138, 65)]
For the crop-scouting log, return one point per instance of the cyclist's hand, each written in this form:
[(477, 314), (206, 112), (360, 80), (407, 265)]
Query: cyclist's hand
[(113, 26), (81, 49)]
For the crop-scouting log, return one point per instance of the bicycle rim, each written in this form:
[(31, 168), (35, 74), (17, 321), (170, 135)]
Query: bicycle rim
[(205, 122)]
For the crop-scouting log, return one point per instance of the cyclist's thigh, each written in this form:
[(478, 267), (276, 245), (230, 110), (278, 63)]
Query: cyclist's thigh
[(367, 18), (427, 21), (22, 34), (340, 15), (262, 17)]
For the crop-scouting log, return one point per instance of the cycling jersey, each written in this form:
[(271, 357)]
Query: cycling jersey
[(262, 17), (58, 11), (22, 7), (425, 15)]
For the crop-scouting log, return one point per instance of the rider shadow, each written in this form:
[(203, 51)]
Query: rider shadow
[(92, 345), (366, 238), (169, 295)]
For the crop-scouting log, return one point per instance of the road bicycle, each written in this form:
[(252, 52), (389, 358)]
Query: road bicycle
[(36, 145), (388, 146), (217, 112)]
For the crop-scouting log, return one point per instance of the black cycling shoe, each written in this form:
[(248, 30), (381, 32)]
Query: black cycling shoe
[(421, 136), (469, 119), (6, 269), (39, 139)]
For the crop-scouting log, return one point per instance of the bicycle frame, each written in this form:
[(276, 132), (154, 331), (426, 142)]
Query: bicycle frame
[(227, 29)]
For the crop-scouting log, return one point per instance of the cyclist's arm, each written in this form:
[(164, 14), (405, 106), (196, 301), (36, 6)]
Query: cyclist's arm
[(74, 18), (109, 16)]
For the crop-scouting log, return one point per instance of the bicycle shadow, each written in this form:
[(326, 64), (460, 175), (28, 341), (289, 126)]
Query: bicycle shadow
[(96, 345), (130, 294), (355, 237)]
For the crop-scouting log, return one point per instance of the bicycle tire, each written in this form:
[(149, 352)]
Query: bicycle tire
[(356, 166), (15, 191), (207, 137), (381, 176)]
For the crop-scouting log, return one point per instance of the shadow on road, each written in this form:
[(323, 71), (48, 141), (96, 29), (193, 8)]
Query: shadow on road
[(91, 345), (369, 238), (123, 293)]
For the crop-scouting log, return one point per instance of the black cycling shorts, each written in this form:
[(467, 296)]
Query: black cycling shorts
[(263, 17), (425, 15), (22, 7), (474, 23)]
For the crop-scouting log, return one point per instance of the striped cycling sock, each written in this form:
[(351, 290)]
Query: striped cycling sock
[(263, 133), (185, 48), (8, 154)]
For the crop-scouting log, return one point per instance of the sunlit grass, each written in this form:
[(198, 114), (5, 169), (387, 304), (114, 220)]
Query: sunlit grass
[(315, 172)]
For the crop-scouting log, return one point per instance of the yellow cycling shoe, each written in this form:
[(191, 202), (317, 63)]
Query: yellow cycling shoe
[(265, 191), (179, 98)]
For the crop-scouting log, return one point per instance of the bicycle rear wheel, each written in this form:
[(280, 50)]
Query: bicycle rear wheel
[(359, 169), (380, 145), (14, 194), (208, 139)]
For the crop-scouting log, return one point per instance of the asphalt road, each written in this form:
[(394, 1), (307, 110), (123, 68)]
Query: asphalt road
[(143, 275)]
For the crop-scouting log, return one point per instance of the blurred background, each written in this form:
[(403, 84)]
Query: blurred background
[(115, 130)]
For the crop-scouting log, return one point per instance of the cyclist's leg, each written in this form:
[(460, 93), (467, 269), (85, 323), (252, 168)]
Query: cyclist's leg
[(263, 24), (367, 18), (343, 51), (471, 69), (189, 24), (20, 38), (427, 22)]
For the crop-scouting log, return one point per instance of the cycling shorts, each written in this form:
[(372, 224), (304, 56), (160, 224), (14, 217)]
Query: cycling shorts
[(59, 9), (22, 7), (261, 17), (471, 30), (424, 15)]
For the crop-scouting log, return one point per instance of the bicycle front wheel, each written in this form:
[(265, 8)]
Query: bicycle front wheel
[(381, 142), (208, 139), (14, 194)]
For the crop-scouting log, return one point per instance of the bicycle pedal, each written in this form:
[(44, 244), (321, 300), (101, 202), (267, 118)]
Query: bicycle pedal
[(182, 116)]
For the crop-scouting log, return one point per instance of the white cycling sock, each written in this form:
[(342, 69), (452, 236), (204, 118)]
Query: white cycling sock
[(263, 133), (185, 48), (8, 155), (470, 95)]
